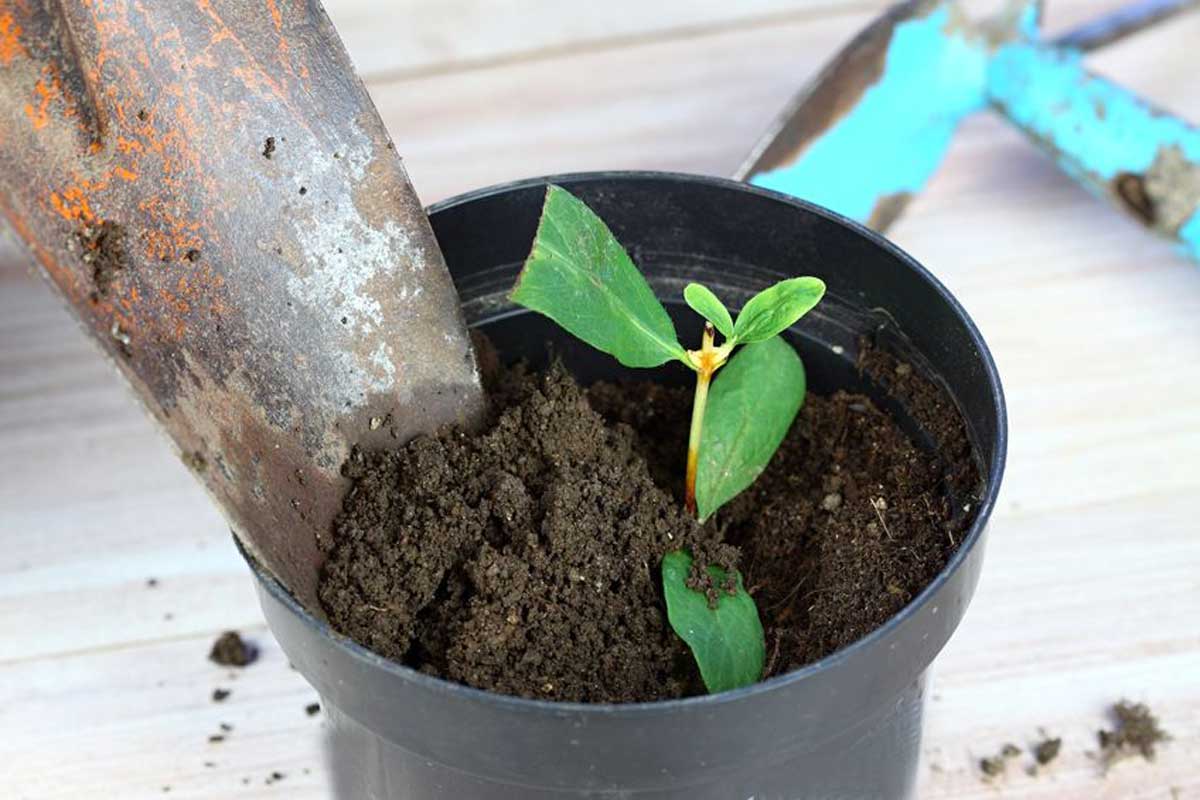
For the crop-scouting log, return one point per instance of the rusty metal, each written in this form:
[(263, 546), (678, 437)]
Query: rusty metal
[(211, 190)]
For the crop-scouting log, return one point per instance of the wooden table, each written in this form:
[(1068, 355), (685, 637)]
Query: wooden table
[(1091, 590)]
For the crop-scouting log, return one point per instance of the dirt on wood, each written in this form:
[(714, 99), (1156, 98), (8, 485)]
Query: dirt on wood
[(1136, 732), (231, 650)]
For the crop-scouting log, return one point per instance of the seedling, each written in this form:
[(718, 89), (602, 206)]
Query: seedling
[(578, 275)]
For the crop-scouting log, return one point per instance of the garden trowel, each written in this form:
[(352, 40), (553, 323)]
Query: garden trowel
[(869, 131), (209, 187)]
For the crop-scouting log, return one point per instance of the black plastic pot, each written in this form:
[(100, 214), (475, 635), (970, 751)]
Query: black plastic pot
[(846, 727)]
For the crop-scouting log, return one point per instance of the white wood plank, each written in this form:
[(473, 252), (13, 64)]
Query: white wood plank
[(127, 723), (676, 105), (403, 38)]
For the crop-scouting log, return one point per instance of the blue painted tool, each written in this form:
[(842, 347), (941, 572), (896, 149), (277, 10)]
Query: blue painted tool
[(871, 129)]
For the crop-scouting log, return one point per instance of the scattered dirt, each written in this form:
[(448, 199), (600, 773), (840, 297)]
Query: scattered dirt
[(1137, 732), (103, 249), (231, 650), (221, 695), (195, 461), (994, 766), (526, 560), (1047, 750)]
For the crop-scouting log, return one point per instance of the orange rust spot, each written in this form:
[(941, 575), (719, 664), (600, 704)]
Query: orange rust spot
[(174, 302), (129, 146), (44, 92), (125, 174), (10, 40), (72, 205), (276, 17)]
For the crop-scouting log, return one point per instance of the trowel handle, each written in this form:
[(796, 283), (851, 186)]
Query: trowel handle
[(1144, 159)]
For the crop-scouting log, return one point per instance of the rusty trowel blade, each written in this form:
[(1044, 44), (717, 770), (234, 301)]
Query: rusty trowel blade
[(210, 188), (869, 131)]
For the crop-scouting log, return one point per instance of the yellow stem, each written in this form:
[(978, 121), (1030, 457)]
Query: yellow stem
[(707, 360)]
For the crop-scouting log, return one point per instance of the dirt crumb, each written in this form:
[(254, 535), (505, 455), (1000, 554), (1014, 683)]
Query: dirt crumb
[(221, 695), (269, 147), (102, 247), (1137, 732), (312, 709), (231, 650), (195, 461), (1047, 750), (994, 766)]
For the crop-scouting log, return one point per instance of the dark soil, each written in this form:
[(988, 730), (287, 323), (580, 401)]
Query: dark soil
[(1137, 732), (103, 249), (1047, 750), (997, 765), (231, 650), (526, 560)]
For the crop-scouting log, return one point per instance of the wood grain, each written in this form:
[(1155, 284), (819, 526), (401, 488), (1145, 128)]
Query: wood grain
[(1091, 589)]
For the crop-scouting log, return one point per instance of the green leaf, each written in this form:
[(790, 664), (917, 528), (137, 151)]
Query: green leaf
[(727, 641), (750, 409), (707, 305), (772, 311), (579, 275)]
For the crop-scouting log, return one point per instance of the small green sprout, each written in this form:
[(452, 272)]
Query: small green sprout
[(578, 275)]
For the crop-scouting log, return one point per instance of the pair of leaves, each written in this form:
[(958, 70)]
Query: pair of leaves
[(727, 641), (767, 314)]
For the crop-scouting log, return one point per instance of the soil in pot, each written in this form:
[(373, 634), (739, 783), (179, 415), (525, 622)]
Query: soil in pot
[(525, 559)]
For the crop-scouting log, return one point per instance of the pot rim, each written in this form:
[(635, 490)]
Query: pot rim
[(513, 703)]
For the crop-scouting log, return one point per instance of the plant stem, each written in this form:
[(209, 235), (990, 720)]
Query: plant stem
[(693, 458), (706, 361)]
